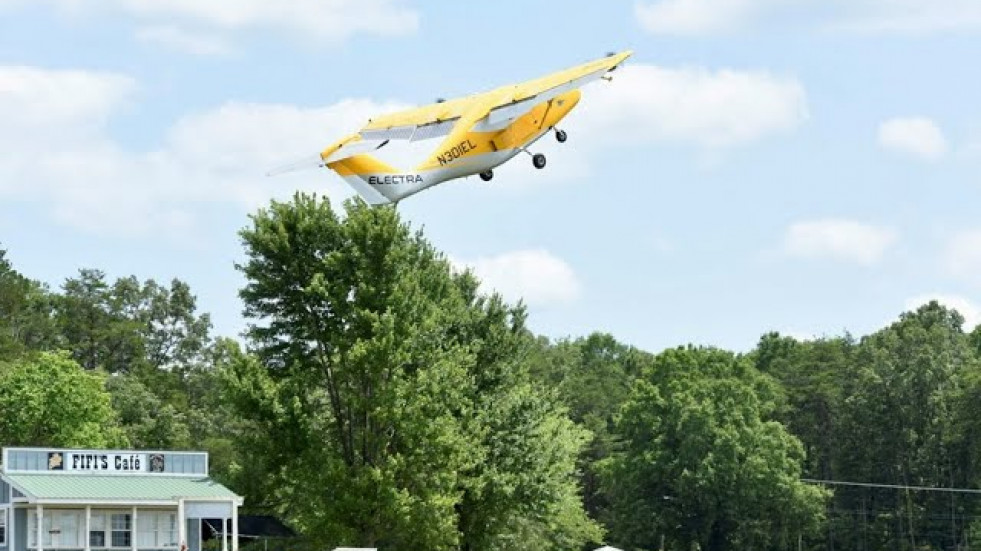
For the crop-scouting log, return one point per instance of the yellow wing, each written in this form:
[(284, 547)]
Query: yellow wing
[(577, 75), (441, 118), (427, 114), (404, 124)]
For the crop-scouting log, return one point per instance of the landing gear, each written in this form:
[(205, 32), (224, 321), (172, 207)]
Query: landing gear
[(538, 160), (561, 136), (487, 175)]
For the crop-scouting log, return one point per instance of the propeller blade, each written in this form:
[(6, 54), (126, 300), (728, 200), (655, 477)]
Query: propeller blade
[(306, 163)]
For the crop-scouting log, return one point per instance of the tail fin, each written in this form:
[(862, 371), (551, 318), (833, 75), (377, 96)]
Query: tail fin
[(378, 183)]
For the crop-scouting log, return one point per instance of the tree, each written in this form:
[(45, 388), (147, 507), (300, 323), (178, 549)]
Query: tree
[(400, 408), (26, 323), (50, 401), (524, 491), (703, 461), (148, 421), (593, 376), (811, 375), (905, 420), (129, 327)]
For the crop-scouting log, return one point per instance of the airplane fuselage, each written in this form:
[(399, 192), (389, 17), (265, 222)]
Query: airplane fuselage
[(480, 148)]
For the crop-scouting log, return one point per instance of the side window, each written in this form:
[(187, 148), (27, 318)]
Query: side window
[(97, 530), (122, 535), (3, 527)]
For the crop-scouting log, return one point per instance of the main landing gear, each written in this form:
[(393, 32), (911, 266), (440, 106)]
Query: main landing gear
[(487, 175), (538, 160)]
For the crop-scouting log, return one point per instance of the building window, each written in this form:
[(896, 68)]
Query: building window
[(3, 528), (59, 529), (122, 535), (97, 530), (156, 529)]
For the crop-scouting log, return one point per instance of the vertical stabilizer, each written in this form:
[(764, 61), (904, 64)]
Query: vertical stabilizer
[(378, 183)]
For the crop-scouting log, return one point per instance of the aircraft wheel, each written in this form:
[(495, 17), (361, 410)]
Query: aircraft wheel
[(561, 136), (538, 160), (487, 175)]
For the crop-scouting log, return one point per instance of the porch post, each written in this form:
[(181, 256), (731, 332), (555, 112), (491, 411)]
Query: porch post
[(224, 534), (133, 532), (88, 527), (40, 524), (234, 526), (181, 526), (11, 530)]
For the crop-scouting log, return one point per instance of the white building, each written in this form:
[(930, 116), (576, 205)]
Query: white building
[(99, 500)]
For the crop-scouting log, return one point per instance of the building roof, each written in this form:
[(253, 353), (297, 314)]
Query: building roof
[(61, 487)]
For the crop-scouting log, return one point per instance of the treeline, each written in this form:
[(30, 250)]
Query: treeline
[(379, 399)]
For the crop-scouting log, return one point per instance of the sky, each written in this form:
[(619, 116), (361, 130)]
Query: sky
[(803, 166)]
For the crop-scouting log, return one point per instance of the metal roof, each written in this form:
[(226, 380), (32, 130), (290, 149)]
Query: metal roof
[(107, 488)]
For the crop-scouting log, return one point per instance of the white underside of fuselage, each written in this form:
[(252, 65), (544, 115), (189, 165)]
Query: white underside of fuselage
[(383, 188)]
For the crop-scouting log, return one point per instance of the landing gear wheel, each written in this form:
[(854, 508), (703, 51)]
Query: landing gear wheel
[(538, 160), (561, 136), (487, 175)]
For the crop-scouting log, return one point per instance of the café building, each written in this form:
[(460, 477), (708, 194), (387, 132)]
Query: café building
[(100, 500)]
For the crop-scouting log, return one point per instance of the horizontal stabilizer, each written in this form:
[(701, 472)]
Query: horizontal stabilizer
[(351, 149), (306, 163)]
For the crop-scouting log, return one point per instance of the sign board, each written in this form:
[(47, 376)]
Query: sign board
[(96, 461)]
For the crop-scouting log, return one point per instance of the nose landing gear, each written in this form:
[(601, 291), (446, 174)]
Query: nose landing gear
[(538, 160), (487, 175), (561, 136)]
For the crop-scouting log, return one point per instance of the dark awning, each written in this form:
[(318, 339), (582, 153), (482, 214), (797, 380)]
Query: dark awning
[(250, 526)]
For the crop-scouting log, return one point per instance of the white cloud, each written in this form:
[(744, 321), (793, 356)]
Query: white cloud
[(56, 150), (647, 104), (917, 136), (37, 101), (910, 16), (331, 20), (844, 240), (963, 256), (535, 276), (185, 41), (965, 307), (693, 17), (697, 16)]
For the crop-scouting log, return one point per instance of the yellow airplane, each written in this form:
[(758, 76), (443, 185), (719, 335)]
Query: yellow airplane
[(481, 132)]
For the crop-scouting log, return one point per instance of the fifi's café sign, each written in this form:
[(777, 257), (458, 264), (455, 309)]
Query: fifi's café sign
[(95, 461)]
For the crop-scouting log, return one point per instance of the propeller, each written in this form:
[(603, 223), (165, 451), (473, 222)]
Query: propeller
[(306, 163)]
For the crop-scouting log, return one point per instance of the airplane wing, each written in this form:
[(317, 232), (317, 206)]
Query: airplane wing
[(501, 104), (421, 123), (526, 95)]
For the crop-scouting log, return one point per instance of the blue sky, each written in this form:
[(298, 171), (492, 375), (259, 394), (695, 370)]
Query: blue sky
[(802, 166)]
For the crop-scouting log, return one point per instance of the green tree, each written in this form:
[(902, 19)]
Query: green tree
[(523, 492), (51, 401), (703, 461), (26, 322), (380, 381), (906, 420), (811, 375), (149, 422), (593, 377), (130, 326)]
